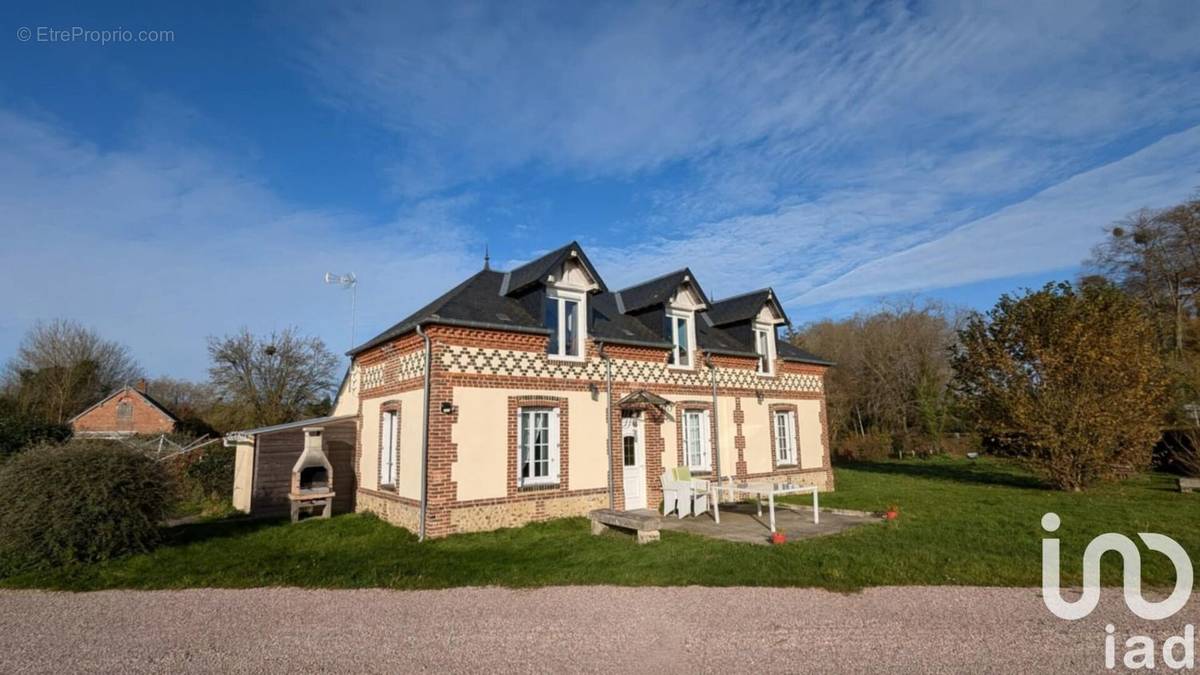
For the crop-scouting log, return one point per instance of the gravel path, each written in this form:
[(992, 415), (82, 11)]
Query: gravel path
[(569, 629)]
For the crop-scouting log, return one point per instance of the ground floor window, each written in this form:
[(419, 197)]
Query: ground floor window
[(537, 433), (696, 440), (785, 437), (389, 433)]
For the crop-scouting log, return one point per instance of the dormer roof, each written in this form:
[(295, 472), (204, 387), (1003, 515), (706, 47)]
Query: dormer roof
[(659, 290), (746, 307), (549, 267)]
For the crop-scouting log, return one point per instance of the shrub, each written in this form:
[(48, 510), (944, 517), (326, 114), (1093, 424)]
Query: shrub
[(872, 445), (18, 432), (212, 474), (83, 501)]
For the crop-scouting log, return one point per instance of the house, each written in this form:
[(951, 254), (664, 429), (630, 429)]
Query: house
[(540, 393), (127, 411)]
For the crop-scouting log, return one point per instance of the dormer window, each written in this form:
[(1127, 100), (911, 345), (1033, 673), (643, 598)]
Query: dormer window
[(764, 346), (563, 316), (677, 328)]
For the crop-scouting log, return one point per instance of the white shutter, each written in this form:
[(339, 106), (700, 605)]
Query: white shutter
[(554, 445), (706, 439)]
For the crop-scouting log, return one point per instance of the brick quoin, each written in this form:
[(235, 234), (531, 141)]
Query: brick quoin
[(443, 452)]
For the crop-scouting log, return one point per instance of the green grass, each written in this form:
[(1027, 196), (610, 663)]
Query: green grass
[(962, 522)]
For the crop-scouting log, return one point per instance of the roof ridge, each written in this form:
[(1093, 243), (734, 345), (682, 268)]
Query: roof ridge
[(657, 278), (766, 289)]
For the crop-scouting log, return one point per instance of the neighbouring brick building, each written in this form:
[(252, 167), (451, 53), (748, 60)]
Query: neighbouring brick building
[(539, 393), (125, 412)]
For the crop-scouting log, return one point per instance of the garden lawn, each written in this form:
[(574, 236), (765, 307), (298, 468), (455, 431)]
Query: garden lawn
[(962, 522)]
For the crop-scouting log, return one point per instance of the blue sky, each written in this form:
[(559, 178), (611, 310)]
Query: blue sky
[(840, 152)]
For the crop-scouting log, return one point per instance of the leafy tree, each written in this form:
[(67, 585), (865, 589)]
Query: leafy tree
[(62, 367), (271, 379), (1071, 377)]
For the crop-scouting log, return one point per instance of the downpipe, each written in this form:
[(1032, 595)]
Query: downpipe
[(716, 441)]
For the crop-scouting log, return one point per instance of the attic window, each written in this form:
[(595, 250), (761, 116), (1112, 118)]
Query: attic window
[(563, 315), (677, 329), (764, 346), (124, 411)]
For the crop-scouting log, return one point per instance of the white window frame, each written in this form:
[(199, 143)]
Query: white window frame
[(561, 296), (524, 416), (674, 315), (705, 441), (389, 447), (785, 438), (766, 362)]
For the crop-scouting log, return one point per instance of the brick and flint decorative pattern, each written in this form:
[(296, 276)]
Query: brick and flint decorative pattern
[(390, 372), (512, 363)]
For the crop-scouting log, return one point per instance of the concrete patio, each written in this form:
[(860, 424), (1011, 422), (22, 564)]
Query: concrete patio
[(740, 522)]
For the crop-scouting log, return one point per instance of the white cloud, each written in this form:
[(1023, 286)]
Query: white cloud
[(1052, 230), (160, 248)]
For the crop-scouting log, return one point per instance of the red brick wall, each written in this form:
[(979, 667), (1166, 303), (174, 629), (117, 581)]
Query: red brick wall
[(145, 419)]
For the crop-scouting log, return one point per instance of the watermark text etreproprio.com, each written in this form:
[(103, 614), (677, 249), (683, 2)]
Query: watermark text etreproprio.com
[(100, 36)]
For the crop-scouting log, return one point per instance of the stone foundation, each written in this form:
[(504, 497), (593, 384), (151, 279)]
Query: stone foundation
[(390, 509), (516, 513)]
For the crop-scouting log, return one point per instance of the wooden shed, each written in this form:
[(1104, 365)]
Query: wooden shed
[(266, 456)]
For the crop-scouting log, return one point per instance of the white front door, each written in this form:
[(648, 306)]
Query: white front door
[(633, 452)]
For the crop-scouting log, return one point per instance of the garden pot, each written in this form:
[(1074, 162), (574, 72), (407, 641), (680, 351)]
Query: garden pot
[(778, 538), (891, 515)]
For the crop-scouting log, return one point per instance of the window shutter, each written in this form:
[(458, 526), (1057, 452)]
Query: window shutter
[(706, 438), (554, 445)]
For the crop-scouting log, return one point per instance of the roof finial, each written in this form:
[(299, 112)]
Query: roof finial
[(487, 260)]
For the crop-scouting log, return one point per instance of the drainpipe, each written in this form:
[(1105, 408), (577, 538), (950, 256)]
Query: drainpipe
[(425, 435), (716, 441), (612, 499)]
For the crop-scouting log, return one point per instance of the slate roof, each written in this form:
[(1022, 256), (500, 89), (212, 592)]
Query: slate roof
[(743, 307), (536, 271), (149, 399), (486, 300), (657, 290)]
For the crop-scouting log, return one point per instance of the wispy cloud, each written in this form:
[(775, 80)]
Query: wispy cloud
[(159, 248), (1033, 235), (803, 142)]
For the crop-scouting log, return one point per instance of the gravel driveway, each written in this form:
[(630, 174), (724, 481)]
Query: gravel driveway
[(566, 629)]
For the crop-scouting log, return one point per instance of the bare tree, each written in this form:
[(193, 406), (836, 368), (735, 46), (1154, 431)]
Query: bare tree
[(892, 371), (1155, 255), (61, 367), (272, 379)]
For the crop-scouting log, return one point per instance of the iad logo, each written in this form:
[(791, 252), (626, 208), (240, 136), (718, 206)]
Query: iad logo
[(1111, 541)]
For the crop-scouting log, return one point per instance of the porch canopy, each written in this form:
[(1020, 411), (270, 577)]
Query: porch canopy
[(642, 397)]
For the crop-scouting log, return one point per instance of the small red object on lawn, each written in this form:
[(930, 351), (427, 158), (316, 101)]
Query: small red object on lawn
[(892, 513), (778, 538)]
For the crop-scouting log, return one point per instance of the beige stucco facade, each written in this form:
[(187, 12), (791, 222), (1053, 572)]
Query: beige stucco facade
[(480, 437), (408, 474), (243, 475)]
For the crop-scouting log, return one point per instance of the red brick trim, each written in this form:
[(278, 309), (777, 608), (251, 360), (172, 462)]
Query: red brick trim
[(384, 408), (739, 440), (515, 403), (784, 407)]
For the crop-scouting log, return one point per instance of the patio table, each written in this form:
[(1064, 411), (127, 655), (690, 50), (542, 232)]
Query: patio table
[(759, 489)]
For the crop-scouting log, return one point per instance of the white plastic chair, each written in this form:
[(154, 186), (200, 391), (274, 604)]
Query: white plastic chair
[(683, 494)]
